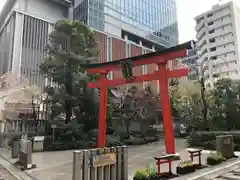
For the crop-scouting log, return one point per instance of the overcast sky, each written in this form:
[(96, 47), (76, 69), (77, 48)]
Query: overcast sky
[(187, 10)]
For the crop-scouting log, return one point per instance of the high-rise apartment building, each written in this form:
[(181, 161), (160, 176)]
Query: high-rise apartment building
[(122, 30), (218, 42)]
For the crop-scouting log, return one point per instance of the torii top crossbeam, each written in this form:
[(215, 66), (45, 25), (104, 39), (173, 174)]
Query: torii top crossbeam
[(160, 58)]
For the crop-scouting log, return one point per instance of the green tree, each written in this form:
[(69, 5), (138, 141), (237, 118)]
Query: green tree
[(187, 102), (224, 105), (71, 46)]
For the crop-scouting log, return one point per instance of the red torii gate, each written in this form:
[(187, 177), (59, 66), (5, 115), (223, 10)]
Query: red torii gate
[(160, 58)]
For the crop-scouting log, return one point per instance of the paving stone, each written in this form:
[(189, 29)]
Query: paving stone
[(230, 176)]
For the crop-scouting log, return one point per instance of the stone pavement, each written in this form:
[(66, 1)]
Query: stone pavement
[(6, 174), (58, 165)]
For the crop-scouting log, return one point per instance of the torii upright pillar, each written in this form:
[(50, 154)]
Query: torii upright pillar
[(166, 109), (101, 141)]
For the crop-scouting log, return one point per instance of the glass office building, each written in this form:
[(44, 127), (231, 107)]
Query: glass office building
[(154, 20)]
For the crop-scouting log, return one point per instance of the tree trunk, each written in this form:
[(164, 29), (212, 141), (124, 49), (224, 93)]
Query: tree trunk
[(34, 116), (205, 106), (69, 90)]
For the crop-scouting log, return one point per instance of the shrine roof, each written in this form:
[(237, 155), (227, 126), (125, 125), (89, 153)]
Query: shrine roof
[(187, 45)]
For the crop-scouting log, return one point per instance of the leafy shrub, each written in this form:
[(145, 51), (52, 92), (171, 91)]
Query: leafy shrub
[(150, 139), (151, 171), (141, 174), (134, 141), (185, 164), (93, 133), (207, 140), (113, 141), (215, 158), (137, 134), (151, 132)]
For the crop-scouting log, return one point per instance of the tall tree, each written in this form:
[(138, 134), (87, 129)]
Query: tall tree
[(71, 46)]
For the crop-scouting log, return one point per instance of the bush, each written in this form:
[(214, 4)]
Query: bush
[(214, 159), (134, 141), (207, 140), (137, 134), (113, 141), (141, 174), (150, 139), (151, 132)]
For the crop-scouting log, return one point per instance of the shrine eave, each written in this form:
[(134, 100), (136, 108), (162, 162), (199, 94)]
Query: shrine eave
[(187, 45)]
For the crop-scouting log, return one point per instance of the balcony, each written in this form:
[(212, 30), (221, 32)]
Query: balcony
[(220, 24), (201, 33), (224, 13), (220, 33), (221, 42), (200, 25)]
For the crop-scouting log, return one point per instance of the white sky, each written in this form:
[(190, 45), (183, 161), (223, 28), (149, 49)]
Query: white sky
[(187, 10)]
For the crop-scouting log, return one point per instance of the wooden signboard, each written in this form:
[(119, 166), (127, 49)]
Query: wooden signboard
[(104, 159)]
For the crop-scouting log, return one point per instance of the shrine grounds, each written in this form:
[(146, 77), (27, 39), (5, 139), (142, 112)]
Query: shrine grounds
[(58, 165)]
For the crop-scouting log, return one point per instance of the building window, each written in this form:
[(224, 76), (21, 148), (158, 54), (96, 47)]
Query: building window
[(214, 57), (210, 15), (212, 40), (210, 32), (213, 49), (210, 23)]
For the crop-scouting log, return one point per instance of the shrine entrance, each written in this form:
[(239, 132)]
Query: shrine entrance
[(163, 74)]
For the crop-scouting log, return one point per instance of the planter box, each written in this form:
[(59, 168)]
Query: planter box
[(139, 179), (185, 170)]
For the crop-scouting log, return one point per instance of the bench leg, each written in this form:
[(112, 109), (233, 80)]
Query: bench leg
[(158, 167), (170, 167), (200, 158), (191, 156)]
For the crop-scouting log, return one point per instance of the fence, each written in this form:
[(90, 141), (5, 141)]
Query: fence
[(101, 164)]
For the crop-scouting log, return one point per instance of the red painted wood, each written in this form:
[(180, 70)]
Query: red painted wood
[(166, 110), (147, 77), (102, 123), (150, 60)]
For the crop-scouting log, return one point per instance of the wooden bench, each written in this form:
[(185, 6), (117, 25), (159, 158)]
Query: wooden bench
[(166, 159), (195, 153)]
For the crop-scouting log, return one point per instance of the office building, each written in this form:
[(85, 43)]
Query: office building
[(152, 20), (218, 42), (25, 26)]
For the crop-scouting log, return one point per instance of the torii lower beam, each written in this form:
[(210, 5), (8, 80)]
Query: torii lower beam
[(137, 79), (159, 58)]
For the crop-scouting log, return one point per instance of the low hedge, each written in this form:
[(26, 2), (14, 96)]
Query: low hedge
[(58, 145), (207, 139)]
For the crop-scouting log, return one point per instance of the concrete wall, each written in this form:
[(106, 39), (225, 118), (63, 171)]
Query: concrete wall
[(43, 9)]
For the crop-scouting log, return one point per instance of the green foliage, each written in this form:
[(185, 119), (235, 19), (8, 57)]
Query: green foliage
[(207, 140), (215, 158), (151, 171), (224, 105), (183, 164), (72, 46), (141, 174)]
